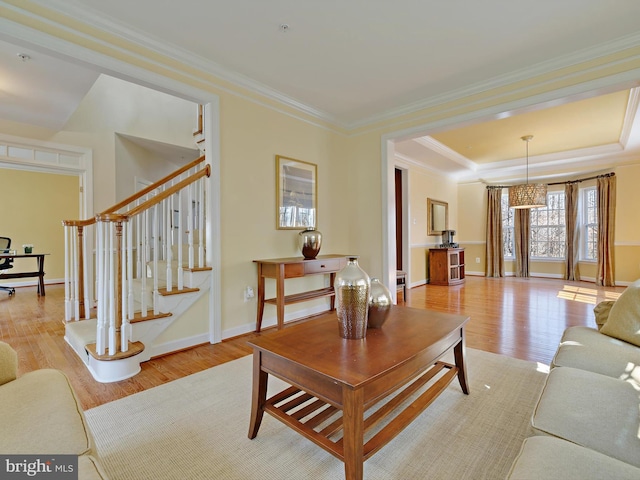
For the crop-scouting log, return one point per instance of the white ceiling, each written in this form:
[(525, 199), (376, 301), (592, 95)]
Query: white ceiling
[(357, 61)]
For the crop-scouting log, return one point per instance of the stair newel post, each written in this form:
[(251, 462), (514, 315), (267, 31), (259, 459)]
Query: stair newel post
[(123, 251), (101, 288), (81, 306), (67, 279), (111, 281)]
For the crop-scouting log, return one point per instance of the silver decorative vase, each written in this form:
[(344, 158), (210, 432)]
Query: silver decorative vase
[(352, 286), (380, 302), (310, 241)]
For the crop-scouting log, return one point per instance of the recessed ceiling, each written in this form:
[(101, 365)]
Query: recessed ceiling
[(582, 124)]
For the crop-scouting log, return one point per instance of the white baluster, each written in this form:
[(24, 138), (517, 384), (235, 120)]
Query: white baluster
[(200, 186), (67, 306), (190, 224), (180, 242), (168, 234), (156, 232)]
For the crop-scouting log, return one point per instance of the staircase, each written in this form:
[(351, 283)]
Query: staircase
[(145, 272)]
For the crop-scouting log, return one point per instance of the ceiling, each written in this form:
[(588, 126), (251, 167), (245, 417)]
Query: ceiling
[(360, 61)]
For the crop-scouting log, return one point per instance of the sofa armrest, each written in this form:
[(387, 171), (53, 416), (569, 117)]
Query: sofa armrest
[(8, 363)]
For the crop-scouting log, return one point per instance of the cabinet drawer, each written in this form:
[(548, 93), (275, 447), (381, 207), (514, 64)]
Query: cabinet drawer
[(323, 266)]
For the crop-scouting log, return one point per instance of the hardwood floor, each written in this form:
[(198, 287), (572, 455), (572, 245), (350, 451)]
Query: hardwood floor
[(521, 318)]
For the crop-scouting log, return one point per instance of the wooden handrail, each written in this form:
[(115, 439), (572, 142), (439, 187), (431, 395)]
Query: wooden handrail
[(154, 185), (124, 217), (78, 223), (168, 192), (134, 197)]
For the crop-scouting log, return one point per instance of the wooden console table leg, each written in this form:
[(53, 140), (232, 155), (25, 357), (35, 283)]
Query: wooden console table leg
[(260, 298), (280, 296), (459, 352), (258, 395), (332, 279), (353, 439)]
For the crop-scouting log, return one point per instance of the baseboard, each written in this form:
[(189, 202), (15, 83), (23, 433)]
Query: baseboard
[(31, 283), (272, 321), (181, 344)]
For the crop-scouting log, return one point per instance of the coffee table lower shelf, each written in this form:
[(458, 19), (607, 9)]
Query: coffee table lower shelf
[(313, 418)]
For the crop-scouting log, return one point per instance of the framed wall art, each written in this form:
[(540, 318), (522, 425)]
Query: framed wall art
[(296, 194)]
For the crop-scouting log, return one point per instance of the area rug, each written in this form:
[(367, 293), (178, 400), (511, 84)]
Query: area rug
[(196, 428)]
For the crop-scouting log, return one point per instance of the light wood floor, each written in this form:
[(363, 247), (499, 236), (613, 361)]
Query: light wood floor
[(521, 318)]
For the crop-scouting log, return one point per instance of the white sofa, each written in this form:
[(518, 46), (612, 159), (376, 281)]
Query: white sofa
[(40, 415), (588, 415)]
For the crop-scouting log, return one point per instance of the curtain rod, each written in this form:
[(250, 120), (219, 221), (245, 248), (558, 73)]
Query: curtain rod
[(605, 175)]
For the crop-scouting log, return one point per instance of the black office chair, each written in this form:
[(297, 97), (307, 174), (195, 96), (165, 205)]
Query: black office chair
[(6, 263)]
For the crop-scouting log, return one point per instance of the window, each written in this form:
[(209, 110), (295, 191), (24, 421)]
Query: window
[(507, 227), (548, 233), (589, 224)]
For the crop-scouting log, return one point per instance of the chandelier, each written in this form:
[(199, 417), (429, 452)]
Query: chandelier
[(528, 195)]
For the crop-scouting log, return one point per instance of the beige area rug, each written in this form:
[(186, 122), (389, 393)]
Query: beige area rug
[(196, 428)]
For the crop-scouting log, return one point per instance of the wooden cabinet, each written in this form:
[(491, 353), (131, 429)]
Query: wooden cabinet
[(446, 266)]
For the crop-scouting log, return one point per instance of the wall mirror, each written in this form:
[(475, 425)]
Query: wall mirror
[(437, 216)]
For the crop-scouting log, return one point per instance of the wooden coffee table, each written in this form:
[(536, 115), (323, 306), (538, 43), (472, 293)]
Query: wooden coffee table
[(335, 381)]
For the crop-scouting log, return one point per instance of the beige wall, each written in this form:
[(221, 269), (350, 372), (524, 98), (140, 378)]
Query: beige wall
[(34, 205)]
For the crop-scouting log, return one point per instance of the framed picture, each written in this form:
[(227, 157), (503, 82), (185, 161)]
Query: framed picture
[(296, 194)]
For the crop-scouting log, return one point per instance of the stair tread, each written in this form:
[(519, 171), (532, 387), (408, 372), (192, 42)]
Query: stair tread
[(134, 349)]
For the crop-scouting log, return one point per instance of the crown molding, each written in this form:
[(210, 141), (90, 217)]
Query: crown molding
[(101, 22), (114, 27), (441, 149)]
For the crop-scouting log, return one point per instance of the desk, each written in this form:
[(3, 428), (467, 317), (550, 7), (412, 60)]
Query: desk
[(39, 273), (295, 267), (336, 380)]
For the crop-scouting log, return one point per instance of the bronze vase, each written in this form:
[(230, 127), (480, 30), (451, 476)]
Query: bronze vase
[(352, 287)]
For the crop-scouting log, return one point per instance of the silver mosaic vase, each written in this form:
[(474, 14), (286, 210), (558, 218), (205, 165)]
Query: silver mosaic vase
[(309, 241), (380, 302), (352, 286)]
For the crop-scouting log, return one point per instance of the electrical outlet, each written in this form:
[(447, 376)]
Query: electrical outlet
[(248, 293), (477, 259)]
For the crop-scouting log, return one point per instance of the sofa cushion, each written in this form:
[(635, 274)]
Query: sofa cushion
[(544, 458), (591, 410), (601, 312), (587, 349), (39, 413), (624, 318)]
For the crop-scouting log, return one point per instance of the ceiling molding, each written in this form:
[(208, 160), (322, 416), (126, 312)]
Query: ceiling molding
[(513, 78), (405, 161), (116, 28), (441, 149), (630, 114), (15, 32)]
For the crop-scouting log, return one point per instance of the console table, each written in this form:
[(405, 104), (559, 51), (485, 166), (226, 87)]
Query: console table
[(38, 273), (280, 269)]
